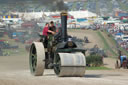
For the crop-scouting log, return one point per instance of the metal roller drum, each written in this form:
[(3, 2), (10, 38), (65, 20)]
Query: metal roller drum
[(70, 64), (36, 59)]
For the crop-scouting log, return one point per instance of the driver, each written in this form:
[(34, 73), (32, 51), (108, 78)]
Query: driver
[(52, 27)]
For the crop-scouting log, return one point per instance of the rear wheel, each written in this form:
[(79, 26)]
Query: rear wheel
[(117, 64), (36, 59)]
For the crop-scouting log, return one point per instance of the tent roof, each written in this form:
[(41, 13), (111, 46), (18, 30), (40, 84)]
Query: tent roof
[(82, 14)]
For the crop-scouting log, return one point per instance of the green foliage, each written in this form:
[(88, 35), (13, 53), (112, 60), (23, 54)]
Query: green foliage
[(98, 68), (106, 45), (94, 60), (114, 42)]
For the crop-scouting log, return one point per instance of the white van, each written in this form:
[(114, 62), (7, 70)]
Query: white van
[(125, 38)]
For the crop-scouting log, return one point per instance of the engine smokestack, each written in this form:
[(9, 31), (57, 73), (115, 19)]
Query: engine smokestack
[(64, 26)]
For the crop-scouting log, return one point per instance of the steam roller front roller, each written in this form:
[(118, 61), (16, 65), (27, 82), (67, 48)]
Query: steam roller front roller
[(36, 59), (70, 64)]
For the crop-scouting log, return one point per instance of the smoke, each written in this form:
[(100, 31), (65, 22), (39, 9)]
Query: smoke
[(52, 4), (55, 4), (60, 5)]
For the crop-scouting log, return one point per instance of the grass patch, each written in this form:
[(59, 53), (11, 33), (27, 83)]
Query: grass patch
[(14, 52), (109, 4), (106, 45), (122, 5), (114, 41), (98, 68), (74, 6), (85, 5)]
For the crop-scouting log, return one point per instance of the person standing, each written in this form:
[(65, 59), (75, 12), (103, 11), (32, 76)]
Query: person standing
[(45, 34), (46, 30)]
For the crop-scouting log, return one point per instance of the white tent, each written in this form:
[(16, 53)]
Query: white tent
[(82, 14), (76, 14)]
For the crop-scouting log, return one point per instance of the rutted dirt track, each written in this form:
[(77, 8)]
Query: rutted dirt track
[(14, 70), (23, 77)]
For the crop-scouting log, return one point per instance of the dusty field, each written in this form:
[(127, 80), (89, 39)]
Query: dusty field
[(14, 70)]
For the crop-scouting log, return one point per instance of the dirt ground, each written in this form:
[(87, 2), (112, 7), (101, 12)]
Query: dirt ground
[(14, 70)]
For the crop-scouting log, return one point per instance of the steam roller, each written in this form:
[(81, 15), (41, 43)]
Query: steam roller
[(57, 52)]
